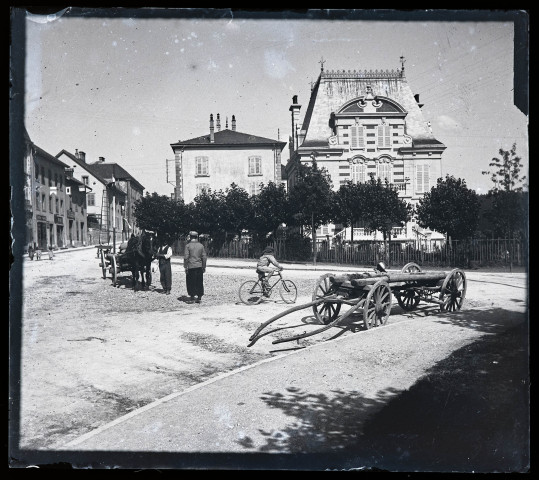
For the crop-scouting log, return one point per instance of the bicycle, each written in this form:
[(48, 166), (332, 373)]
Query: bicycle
[(252, 292)]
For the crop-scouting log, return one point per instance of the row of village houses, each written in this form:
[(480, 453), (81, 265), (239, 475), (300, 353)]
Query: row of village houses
[(70, 202), (357, 124)]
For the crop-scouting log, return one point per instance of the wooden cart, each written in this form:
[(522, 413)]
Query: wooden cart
[(371, 293)]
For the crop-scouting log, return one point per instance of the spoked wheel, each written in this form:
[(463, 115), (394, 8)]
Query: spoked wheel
[(411, 268), (103, 264), (288, 291), (453, 291), (408, 299), (377, 305), (113, 270), (325, 312), (250, 292)]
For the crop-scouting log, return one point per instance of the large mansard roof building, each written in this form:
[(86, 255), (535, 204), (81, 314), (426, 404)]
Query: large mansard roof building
[(359, 124)]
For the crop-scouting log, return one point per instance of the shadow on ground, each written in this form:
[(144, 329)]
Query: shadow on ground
[(469, 413)]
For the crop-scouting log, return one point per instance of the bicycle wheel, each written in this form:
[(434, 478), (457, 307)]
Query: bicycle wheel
[(250, 292), (288, 291)]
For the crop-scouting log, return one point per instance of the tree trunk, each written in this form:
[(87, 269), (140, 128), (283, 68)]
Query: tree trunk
[(313, 235)]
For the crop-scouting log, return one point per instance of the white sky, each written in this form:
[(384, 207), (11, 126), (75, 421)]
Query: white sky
[(126, 88)]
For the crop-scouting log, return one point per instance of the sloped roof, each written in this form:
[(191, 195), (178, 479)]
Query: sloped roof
[(83, 164), (103, 171), (230, 137), (51, 158), (108, 170), (334, 89)]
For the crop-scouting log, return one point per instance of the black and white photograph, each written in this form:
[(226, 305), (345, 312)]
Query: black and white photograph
[(269, 240)]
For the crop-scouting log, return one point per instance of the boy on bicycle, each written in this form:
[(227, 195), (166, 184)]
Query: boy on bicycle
[(267, 264)]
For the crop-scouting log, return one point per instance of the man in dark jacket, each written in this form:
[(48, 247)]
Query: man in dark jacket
[(194, 262), (164, 253)]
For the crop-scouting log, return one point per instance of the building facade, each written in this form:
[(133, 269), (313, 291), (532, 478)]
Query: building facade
[(222, 157), (55, 207), (111, 201), (363, 124)]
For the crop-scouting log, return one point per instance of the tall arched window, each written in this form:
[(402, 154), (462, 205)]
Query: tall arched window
[(359, 172), (384, 170)]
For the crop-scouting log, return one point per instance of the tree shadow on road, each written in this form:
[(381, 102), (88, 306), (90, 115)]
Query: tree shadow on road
[(469, 413)]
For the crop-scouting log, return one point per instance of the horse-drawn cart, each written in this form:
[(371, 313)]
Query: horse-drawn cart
[(109, 262), (136, 258), (370, 294)]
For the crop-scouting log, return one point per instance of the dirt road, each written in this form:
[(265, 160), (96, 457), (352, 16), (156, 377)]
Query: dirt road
[(92, 352)]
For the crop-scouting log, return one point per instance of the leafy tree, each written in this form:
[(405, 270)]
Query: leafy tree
[(509, 202), (450, 207), (159, 213), (271, 209), (383, 209), (350, 203), (505, 173), (207, 213), (508, 213), (237, 210), (311, 198)]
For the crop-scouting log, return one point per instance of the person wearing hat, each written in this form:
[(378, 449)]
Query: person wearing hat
[(267, 264), (164, 254), (194, 262)]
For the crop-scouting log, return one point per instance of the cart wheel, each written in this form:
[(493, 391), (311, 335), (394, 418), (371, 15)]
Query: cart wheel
[(250, 292), (411, 268), (288, 291), (408, 299), (328, 311), (377, 305), (453, 291), (114, 270), (103, 264)]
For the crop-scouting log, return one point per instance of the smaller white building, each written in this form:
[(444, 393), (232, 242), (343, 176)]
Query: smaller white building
[(216, 160)]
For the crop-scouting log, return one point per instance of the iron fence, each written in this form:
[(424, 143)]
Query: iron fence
[(457, 253)]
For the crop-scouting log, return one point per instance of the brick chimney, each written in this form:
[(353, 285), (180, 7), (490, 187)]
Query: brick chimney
[(294, 108), (218, 123), (212, 137), (233, 123), (80, 155)]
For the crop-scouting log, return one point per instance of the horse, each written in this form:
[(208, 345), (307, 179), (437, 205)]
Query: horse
[(138, 256)]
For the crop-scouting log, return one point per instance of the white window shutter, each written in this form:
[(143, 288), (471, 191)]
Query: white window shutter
[(360, 137), (387, 136)]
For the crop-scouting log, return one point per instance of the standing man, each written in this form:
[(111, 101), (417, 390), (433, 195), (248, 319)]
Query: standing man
[(163, 254), (194, 262)]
